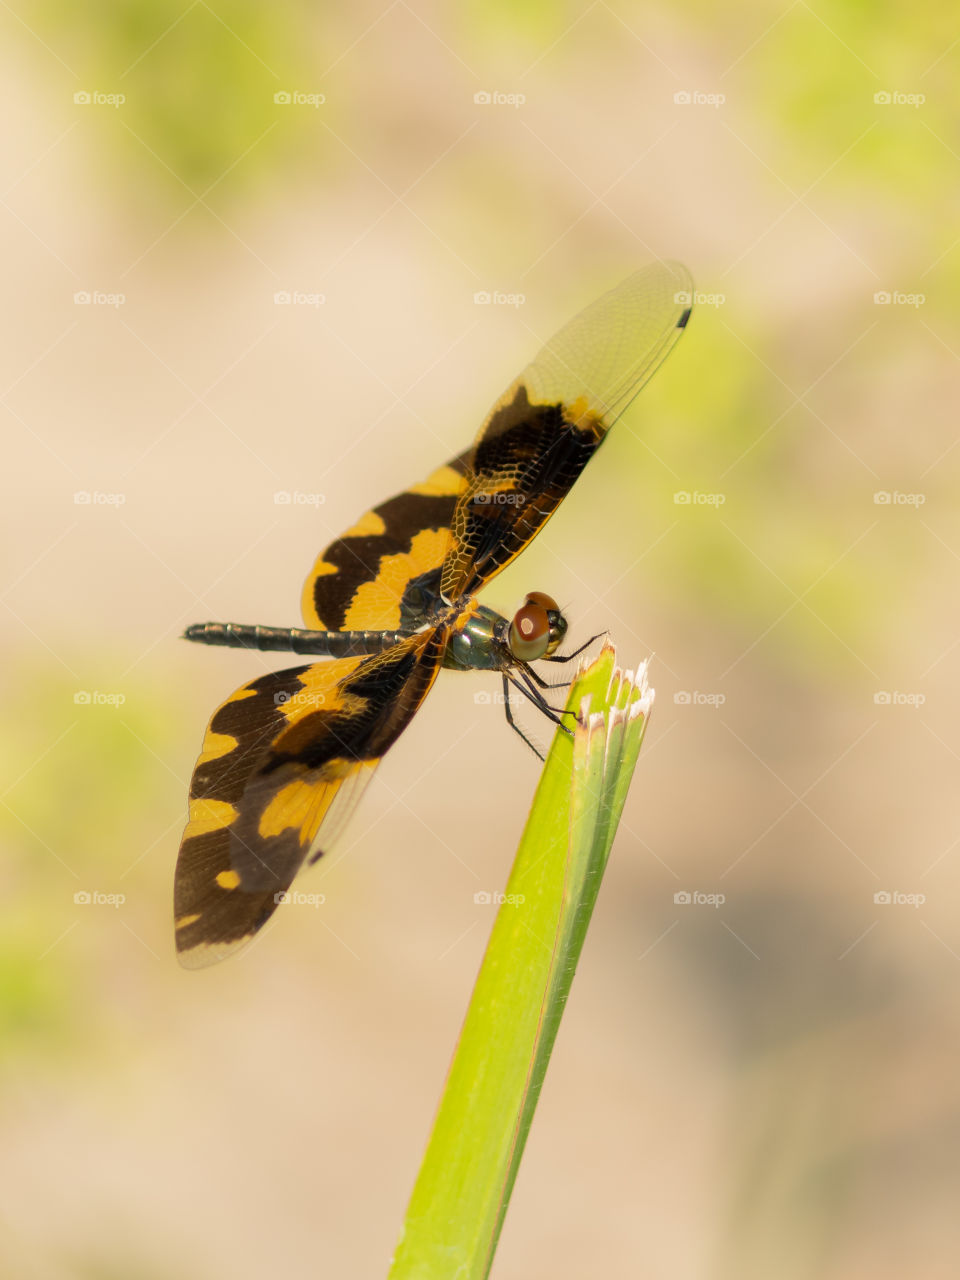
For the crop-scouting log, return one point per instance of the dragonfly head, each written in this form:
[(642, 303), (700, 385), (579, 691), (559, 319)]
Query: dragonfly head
[(537, 629)]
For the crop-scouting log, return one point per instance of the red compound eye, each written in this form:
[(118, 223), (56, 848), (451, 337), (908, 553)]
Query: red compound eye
[(543, 600), (531, 632)]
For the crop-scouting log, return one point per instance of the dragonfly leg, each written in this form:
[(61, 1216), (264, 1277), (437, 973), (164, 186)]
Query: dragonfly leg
[(567, 657), (545, 684), (513, 724), (536, 697)]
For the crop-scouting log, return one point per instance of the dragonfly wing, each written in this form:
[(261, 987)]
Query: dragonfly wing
[(549, 423), (283, 762)]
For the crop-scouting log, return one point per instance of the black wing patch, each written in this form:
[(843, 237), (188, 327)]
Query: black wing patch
[(362, 581), (545, 428), (283, 762)]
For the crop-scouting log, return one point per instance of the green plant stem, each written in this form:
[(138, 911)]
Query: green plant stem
[(461, 1194)]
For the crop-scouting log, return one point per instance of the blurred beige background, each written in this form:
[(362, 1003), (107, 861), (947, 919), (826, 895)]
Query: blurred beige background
[(767, 1087)]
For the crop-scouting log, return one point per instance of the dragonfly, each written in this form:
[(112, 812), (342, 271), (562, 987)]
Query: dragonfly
[(390, 604)]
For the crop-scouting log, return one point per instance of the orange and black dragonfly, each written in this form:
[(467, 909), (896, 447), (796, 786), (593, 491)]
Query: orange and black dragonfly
[(392, 602)]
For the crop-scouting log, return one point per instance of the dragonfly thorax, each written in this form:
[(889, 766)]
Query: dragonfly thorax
[(484, 640)]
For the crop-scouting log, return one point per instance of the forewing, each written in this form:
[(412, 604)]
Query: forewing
[(543, 431), (283, 761), (361, 582)]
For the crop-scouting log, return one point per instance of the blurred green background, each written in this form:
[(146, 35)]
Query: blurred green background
[(766, 1087)]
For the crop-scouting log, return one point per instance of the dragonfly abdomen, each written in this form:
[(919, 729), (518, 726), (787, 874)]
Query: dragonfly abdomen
[(327, 644)]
